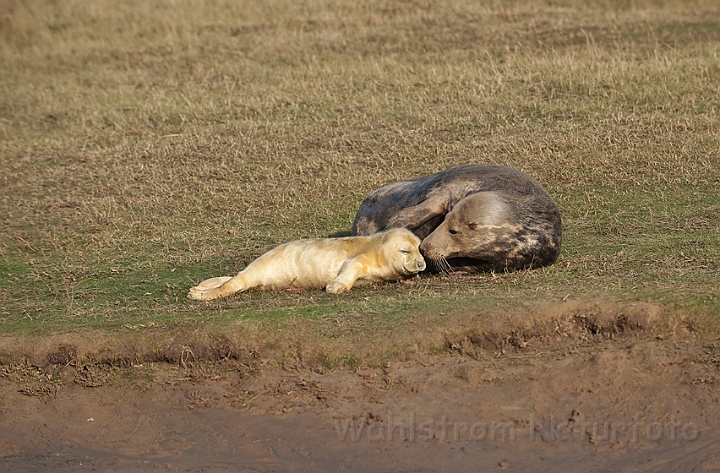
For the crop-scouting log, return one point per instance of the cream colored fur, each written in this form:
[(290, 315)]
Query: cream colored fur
[(336, 264)]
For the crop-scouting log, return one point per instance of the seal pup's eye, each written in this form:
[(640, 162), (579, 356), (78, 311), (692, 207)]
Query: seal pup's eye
[(453, 231), (405, 252)]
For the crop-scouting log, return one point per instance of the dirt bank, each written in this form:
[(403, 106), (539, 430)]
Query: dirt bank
[(611, 391)]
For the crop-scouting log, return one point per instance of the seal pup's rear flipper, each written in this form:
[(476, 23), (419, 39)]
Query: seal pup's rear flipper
[(207, 286)]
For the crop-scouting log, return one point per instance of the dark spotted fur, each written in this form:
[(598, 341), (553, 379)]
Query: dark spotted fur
[(513, 224)]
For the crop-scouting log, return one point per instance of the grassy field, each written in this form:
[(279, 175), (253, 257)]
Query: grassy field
[(145, 146)]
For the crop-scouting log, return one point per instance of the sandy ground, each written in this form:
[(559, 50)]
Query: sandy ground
[(628, 403)]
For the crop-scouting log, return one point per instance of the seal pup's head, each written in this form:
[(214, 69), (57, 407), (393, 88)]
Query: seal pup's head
[(401, 247)]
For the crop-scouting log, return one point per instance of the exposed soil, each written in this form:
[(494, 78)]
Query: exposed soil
[(610, 390)]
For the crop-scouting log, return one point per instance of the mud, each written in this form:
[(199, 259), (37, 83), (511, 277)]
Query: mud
[(618, 395)]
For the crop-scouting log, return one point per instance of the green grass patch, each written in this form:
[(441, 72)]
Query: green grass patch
[(147, 147)]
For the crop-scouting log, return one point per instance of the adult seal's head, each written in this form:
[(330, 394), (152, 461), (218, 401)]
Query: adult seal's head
[(475, 218)]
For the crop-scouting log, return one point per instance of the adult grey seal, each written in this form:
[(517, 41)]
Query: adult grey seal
[(474, 218)]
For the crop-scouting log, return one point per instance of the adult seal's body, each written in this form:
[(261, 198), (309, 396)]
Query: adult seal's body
[(475, 218), (336, 264)]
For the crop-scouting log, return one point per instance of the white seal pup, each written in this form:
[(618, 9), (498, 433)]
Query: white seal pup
[(336, 264)]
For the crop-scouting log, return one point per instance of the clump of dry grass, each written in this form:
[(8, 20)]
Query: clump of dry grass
[(147, 146)]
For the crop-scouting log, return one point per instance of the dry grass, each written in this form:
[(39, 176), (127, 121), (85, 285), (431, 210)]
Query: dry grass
[(147, 146)]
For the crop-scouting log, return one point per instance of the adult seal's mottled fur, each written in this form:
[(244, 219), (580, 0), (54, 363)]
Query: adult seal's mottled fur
[(475, 218), (336, 264)]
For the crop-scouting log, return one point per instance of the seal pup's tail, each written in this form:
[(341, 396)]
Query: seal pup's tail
[(207, 286)]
